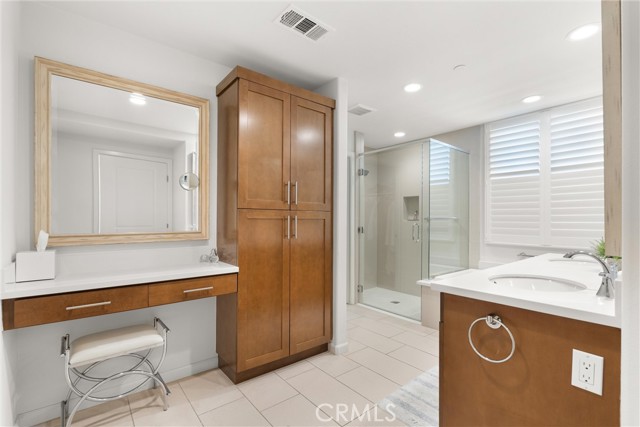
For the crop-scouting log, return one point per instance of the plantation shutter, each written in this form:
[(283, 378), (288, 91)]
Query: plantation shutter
[(441, 200), (545, 177), (513, 184), (577, 175)]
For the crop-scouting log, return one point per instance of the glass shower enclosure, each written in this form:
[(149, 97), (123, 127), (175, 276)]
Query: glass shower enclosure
[(413, 221)]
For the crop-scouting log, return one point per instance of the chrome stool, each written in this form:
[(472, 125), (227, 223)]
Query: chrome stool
[(91, 351)]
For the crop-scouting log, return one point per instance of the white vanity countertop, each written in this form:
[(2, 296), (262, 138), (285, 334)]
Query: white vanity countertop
[(580, 305), (86, 282)]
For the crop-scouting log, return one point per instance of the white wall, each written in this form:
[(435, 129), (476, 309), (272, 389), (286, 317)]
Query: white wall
[(338, 90), (630, 376), (9, 19), (45, 31)]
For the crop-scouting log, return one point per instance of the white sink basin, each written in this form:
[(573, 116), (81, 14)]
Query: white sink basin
[(526, 282)]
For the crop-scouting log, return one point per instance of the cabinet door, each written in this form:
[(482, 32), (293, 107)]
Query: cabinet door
[(263, 147), (311, 280), (311, 155), (263, 287)]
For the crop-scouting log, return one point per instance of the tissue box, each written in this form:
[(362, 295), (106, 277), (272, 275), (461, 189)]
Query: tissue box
[(35, 266)]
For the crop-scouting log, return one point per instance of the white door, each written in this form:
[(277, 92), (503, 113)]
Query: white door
[(133, 193)]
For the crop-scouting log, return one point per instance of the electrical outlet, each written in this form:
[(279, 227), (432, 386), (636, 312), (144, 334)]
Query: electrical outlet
[(587, 370)]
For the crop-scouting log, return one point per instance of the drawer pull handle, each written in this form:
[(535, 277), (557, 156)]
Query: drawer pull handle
[(208, 288), (96, 304)]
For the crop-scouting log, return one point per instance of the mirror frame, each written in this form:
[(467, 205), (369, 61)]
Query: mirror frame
[(44, 70)]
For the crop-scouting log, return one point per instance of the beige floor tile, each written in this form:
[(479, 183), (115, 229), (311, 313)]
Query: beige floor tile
[(332, 364), (416, 358), (209, 390), (428, 344), (377, 326), (146, 408), (354, 346), (294, 369), (266, 390), (371, 385), (377, 417), (334, 398), (297, 411), (114, 413), (238, 413), (351, 315), (390, 368), (409, 326), (364, 311), (371, 339)]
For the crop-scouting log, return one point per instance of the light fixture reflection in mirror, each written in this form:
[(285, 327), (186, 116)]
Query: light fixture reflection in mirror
[(189, 181), (106, 149)]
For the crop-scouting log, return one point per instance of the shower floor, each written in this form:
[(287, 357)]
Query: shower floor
[(392, 301)]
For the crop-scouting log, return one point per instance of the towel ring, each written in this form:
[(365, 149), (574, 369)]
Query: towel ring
[(494, 322)]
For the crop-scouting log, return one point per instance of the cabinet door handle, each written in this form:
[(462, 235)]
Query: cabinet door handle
[(288, 192), (288, 227), (413, 232), (295, 227), (208, 288), (296, 193), (95, 304)]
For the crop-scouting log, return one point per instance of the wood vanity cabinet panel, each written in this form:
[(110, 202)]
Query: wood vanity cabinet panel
[(311, 155), (77, 305), (533, 388), (263, 286), (311, 281), (190, 289), (264, 151)]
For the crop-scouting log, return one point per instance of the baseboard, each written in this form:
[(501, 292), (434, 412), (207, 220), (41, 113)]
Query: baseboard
[(339, 348), (52, 411)]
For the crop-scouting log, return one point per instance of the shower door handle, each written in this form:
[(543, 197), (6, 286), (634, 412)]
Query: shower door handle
[(415, 236)]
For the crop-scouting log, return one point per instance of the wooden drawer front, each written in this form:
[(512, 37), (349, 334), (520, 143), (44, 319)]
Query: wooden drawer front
[(189, 289), (76, 305)]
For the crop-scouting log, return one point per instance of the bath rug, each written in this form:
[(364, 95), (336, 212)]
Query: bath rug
[(416, 403)]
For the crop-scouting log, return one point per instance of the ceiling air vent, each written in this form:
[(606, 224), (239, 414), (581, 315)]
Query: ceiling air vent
[(361, 110), (302, 23)]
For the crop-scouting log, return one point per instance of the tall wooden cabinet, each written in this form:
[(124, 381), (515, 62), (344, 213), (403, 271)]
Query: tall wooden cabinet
[(274, 221)]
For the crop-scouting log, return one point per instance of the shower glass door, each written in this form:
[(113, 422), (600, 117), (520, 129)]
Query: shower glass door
[(446, 246), (390, 233), (413, 221)]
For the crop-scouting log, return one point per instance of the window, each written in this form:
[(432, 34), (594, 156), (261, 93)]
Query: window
[(544, 177)]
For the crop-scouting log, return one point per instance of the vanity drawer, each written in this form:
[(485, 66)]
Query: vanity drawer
[(189, 289), (23, 312)]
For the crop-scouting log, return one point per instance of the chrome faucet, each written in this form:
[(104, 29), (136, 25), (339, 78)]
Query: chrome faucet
[(609, 273)]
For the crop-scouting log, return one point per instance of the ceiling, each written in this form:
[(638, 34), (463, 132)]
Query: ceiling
[(511, 49)]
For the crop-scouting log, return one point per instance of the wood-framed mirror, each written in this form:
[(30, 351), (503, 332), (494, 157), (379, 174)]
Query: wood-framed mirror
[(110, 154)]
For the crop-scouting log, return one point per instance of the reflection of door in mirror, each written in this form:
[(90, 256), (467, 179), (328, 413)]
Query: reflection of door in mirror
[(132, 193)]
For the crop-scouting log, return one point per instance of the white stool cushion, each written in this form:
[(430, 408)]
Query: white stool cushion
[(116, 342)]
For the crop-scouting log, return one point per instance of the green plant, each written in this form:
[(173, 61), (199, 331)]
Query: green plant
[(599, 247)]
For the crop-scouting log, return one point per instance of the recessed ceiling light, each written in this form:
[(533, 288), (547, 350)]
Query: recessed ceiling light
[(399, 134), (412, 87), (531, 99), (137, 99), (583, 32), (459, 67)]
